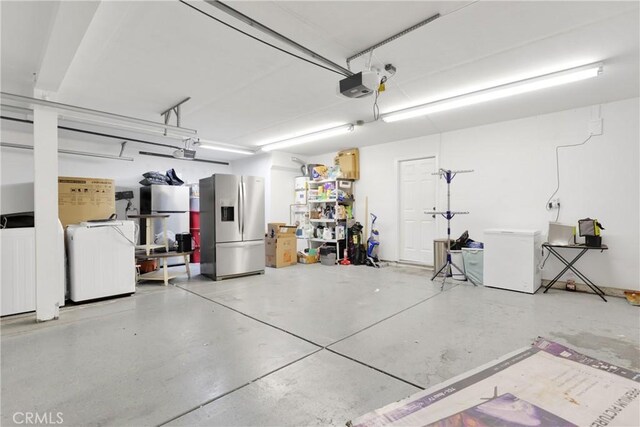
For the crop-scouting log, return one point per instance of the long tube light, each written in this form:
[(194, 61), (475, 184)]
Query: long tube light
[(497, 92), (303, 139), (117, 119), (217, 146)]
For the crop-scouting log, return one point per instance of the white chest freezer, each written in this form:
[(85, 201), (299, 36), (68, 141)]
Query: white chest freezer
[(101, 259), (512, 259)]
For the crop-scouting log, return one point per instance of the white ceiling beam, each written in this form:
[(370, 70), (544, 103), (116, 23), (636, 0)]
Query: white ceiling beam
[(70, 25)]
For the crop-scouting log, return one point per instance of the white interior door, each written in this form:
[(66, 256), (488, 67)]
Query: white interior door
[(417, 194)]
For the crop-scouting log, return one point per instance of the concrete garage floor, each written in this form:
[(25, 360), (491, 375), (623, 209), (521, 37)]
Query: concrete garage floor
[(304, 345)]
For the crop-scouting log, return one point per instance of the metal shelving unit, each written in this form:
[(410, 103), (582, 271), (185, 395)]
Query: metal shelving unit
[(329, 222)]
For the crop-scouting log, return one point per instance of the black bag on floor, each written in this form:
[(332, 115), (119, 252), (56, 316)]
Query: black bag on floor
[(354, 246), (360, 255)]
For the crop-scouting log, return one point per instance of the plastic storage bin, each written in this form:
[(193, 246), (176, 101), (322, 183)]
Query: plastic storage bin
[(473, 259), (329, 259), (456, 258)]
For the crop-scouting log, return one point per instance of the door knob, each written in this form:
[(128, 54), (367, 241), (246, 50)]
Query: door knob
[(434, 215)]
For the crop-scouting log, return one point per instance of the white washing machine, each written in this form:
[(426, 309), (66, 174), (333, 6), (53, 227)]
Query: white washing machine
[(512, 259), (101, 259)]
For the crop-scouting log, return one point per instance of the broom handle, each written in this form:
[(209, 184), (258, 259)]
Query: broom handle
[(366, 218)]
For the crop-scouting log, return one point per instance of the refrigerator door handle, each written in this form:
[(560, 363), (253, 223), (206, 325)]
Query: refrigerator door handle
[(240, 209), (244, 195)]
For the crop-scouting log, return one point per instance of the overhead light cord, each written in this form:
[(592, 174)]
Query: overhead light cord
[(262, 41), (558, 171)]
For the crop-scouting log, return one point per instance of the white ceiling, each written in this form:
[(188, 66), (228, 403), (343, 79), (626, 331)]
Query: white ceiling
[(139, 58)]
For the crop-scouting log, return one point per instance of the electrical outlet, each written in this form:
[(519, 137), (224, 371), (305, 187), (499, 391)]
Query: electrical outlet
[(554, 204)]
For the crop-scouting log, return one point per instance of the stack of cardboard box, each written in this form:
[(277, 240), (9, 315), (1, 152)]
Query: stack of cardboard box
[(280, 245)]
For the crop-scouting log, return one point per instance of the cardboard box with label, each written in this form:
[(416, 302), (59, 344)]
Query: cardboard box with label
[(83, 199), (281, 245)]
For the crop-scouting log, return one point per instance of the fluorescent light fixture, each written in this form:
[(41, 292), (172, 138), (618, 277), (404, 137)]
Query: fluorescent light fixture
[(109, 119), (497, 92), (216, 146), (314, 136)]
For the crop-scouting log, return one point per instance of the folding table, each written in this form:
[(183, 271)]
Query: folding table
[(570, 265)]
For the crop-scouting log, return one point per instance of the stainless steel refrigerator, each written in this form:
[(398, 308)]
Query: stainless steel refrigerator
[(165, 199), (231, 226)]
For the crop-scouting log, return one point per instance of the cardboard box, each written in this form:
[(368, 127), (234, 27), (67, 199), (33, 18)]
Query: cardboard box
[(349, 162), (84, 199), (308, 259), (277, 229), (281, 245)]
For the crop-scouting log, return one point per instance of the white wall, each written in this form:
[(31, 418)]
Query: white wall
[(17, 168), (283, 174), (514, 164), (279, 172)]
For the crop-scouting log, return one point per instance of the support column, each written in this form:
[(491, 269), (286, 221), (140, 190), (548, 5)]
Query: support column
[(45, 162)]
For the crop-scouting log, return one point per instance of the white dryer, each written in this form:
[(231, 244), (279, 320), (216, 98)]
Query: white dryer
[(101, 259)]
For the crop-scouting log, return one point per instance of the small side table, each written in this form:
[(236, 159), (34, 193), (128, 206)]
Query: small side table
[(569, 265), (164, 275), (149, 228)]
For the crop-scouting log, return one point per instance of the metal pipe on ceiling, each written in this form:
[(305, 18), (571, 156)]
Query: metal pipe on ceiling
[(89, 132), (147, 153), (83, 121), (66, 107), (271, 32), (166, 114), (74, 152), (392, 38)]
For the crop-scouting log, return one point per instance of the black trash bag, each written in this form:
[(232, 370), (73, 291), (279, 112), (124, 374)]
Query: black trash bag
[(173, 179)]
